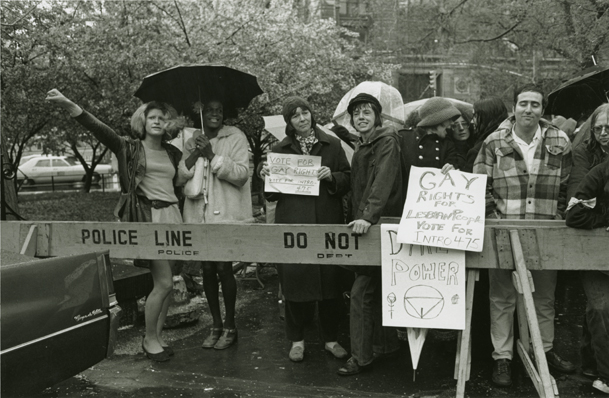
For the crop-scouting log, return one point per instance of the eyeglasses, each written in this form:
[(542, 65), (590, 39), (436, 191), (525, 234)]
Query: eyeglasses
[(599, 129), (462, 125)]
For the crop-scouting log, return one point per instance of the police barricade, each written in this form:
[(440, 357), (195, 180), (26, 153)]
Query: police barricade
[(521, 245)]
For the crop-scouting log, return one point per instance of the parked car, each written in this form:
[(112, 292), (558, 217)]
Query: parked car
[(59, 317), (44, 169)]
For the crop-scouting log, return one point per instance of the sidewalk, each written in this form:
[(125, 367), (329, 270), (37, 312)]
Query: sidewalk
[(258, 365)]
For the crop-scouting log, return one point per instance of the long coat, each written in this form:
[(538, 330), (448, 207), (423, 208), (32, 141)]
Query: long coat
[(310, 282)]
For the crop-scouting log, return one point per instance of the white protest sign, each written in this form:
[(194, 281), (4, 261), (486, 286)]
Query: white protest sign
[(423, 287), (294, 174), (444, 210)]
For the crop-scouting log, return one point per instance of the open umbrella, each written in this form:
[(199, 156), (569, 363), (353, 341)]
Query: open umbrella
[(581, 94), (389, 97), (184, 85)]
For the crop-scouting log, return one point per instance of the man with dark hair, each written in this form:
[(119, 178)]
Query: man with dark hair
[(376, 188), (527, 162)]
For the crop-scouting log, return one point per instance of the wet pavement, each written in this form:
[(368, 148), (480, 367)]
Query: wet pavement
[(258, 366)]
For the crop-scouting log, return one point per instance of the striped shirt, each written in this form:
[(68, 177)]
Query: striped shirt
[(517, 191)]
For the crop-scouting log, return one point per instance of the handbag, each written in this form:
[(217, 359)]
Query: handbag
[(129, 207), (194, 187)]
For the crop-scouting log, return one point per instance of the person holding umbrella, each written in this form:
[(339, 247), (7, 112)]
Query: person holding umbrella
[(307, 286), (222, 196), (154, 162)]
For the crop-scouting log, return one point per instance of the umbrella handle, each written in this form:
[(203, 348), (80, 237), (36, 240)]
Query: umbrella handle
[(201, 116)]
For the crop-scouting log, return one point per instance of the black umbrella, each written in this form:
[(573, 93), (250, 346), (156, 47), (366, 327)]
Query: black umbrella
[(184, 85), (581, 94)]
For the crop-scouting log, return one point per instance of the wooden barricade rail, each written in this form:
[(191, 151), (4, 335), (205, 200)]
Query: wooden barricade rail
[(520, 245)]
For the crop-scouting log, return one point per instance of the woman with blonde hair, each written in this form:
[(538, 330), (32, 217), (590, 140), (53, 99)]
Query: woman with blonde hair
[(152, 163)]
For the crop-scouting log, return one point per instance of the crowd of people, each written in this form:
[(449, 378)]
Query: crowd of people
[(532, 169)]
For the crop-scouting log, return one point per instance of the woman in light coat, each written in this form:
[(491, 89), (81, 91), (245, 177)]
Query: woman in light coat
[(221, 195)]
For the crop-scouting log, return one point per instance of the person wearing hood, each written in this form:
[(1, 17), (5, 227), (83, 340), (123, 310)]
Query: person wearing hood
[(307, 286), (376, 188), (224, 197), (427, 145)]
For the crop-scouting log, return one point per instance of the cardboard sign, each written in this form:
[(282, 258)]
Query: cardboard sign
[(444, 210), (423, 287), (293, 174)]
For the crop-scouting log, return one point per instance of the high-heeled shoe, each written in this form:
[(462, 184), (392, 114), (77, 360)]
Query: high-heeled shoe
[(162, 356)]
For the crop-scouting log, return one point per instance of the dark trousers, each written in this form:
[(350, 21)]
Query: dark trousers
[(368, 336), (298, 314), (595, 342)]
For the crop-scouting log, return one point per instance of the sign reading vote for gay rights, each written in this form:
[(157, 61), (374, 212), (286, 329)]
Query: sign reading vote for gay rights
[(444, 210), (423, 286), (295, 174)]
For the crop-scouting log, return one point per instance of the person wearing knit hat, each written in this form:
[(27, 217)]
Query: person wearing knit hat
[(376, 191), (427, 145), (309, 286)]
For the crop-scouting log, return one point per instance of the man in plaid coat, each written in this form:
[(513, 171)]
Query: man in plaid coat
[(527, 162)]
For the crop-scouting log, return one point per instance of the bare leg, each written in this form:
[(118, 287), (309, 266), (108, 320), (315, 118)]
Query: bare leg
[(155, 303), (161, 322)]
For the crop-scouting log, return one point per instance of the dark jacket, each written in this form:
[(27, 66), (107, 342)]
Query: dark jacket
[(582, 161), (125, 148), (310, 282), (425, 150), (471, 157), (376, 177), (594, 185)]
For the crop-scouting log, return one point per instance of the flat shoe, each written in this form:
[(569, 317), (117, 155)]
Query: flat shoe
[(338, 351), (296, 353), (158, 357), (168, 350), (352, 368), (213, 338), (228, 338)]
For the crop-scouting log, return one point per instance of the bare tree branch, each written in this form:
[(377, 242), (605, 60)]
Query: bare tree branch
[(492, 38), (182, 24), (28, 12)]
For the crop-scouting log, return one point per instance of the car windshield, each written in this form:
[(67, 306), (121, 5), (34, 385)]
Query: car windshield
[(72, 161)]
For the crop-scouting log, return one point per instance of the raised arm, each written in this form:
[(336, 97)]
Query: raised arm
[(101, 131)]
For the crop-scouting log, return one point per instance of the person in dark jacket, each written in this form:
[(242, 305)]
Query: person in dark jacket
[(426, 145), (594, 150), (154, 162), (460, 133), (589, 208), (488, 115), (306, 285), (376, 184)]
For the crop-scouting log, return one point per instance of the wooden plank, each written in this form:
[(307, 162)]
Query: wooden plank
[(559, 247), (545, 389), (29, 245), (463, 360)]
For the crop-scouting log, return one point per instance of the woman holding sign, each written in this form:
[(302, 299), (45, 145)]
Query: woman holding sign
[(305, 285), (215, 168)]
